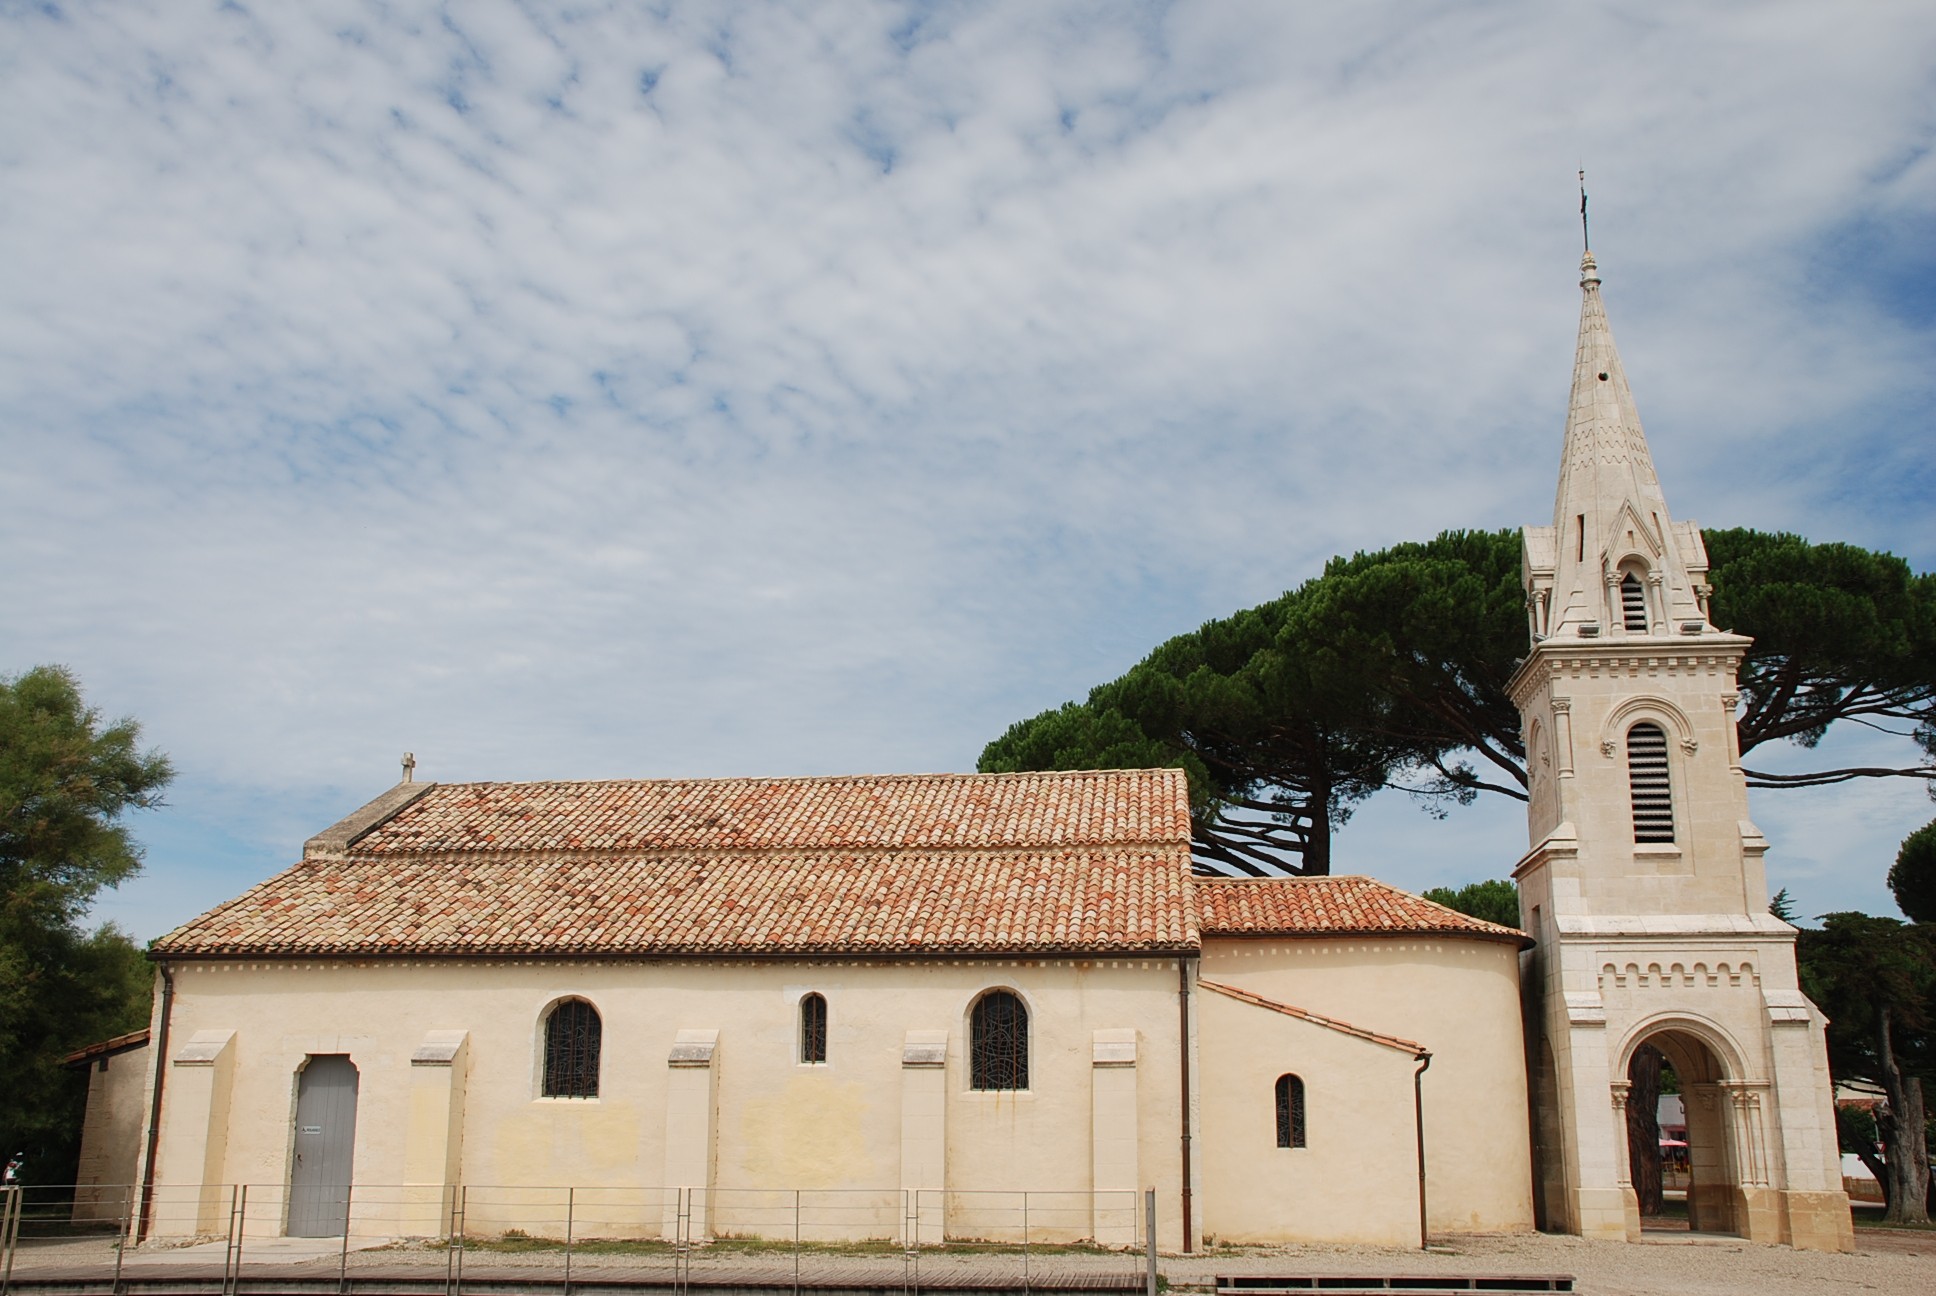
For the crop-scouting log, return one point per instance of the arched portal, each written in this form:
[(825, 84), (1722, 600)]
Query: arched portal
[(1699, 1158)]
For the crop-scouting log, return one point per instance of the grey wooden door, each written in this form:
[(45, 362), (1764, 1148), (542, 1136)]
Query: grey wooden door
[(319, 1181)]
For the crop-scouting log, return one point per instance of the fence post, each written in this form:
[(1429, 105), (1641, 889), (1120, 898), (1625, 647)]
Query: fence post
[(796, 1242), (453, 1275), (1025, 1255), (1149, 1240), (343, 1260), (10, 1200), (571, 1204), (238, 1226), (121, 1242)]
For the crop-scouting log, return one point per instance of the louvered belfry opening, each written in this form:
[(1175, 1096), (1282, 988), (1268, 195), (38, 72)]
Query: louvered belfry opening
[(1653, 797), (998, 1042), (1633, 602), (1290, 1111), (813, 1028), (573, 1034)]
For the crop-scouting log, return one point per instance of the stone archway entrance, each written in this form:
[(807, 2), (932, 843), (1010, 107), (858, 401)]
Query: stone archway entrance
[(1717, 1169)]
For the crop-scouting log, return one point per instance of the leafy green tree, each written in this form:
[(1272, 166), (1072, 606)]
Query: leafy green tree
[(1912, 878), (1875, 978), (1840, 633), (66, 780), (1494, 901), (1389, 670)]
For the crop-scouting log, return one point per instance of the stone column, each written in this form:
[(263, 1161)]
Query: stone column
[(1712, 1190), (1563, 736), (691, 1130), (1599, 1201), (194, 1136), (1112, 1137), (433, 1134), (924, 1132), (1815, 1206)]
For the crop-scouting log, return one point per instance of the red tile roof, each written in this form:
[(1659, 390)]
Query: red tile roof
[(1082, 862), (916, 811), (819, 902), (1328, 906)]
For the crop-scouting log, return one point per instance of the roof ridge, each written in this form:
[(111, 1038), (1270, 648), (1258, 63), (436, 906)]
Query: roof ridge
[(930, 776)]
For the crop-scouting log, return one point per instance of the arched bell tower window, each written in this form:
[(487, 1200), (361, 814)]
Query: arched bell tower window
[(1290, 1111), (1653, 795), (1633, 602)]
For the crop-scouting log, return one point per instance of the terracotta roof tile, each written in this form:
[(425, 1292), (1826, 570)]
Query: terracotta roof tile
[(822, 902), (1049, 863), (1327, 906), (883, 811)]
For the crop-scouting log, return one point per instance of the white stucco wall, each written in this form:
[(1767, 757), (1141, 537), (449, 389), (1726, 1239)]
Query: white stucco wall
[(835, 1129), (117, 1109), (1357, 1179)]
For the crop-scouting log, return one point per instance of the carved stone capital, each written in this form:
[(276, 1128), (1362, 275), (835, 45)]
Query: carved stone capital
[(1562, 705), (1620, 1091), (1690, 745), (1608, 747)]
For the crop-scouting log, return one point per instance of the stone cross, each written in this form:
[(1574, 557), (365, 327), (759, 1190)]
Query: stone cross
[(409, 767)]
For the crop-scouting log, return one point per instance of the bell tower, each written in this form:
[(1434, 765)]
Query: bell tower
[(1644, 890)]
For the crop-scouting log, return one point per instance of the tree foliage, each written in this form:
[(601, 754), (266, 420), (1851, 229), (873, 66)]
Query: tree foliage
[(1841, 634), (1912, 878), (1493, 901), (66, 780), (1389, 670), (1875, 978)]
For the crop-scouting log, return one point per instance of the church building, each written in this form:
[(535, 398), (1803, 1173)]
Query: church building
[(915, 993)]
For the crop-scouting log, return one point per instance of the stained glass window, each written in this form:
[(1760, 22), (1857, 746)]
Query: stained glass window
[(1290, 1112), (998, 1043), (813, 1028), (572, 1036)]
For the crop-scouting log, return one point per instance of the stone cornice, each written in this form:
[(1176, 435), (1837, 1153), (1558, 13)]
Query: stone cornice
[(1714, 653)]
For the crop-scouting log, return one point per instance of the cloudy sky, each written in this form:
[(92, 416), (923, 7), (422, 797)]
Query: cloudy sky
[(602, 390)]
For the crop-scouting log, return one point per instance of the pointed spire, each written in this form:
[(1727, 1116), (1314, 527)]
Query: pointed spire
[(1610, 518)]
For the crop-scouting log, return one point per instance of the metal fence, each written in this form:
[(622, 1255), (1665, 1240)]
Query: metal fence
[(207, 1234)]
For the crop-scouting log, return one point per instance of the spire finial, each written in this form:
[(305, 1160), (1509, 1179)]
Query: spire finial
[(1586, 243)]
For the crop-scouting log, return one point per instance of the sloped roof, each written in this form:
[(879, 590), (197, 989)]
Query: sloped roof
[(1328, 906), (984, 864), (935, 811), (975, 863)]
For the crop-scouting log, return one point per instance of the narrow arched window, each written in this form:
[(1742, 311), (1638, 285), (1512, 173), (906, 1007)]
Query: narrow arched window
[(1633, 602), (813, 1028), (1653, 796), (573, 1033), (998, 1042), (1290, 1111)]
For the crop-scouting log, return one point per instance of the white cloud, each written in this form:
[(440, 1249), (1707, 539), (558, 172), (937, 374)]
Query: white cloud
[(780, 389)]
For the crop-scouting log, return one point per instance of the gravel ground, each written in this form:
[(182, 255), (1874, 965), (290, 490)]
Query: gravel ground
[(1666, 1264)]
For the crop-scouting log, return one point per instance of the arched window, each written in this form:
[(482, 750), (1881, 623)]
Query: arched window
[(813, 1028), (998, 1043), (1290, 1111), (1633, 602), (1653, 796), (572, 1036)]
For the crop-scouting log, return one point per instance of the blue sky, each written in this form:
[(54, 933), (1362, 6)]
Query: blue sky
[(609, 390)]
